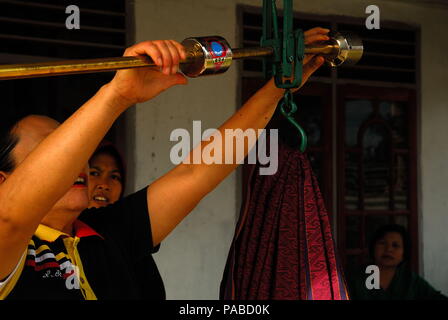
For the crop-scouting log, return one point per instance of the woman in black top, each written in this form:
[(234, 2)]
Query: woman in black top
[(107, 177)]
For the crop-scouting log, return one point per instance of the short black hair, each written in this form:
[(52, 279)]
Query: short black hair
[(8, 141), (383, 230)]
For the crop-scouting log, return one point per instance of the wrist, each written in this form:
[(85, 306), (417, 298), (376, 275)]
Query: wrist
[(115, 101), (273, 92)]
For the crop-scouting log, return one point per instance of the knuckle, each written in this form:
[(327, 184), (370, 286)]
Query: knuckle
[(177, 44), (149, 44)]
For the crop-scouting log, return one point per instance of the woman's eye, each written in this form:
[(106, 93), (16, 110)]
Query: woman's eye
[(116, 177), (94, 173)]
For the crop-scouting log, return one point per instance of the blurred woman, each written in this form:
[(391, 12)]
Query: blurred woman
[(390, 250)]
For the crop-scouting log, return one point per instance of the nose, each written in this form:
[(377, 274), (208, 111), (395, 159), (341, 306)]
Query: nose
[(103, 186)]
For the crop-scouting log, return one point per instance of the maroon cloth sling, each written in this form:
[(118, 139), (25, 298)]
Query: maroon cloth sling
[(283, 247)]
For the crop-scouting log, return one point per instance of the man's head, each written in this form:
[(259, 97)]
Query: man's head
[(30, 131), (18, 142)]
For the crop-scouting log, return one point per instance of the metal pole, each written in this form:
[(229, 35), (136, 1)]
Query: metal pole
[(33, 70)]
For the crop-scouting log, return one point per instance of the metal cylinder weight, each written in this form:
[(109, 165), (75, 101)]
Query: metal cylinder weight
[(212, 55)]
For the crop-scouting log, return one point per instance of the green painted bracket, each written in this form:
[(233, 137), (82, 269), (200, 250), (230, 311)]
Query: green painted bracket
[(286, 64)]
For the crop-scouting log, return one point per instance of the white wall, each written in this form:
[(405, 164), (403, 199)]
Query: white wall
[(434, 150), (192, 258)]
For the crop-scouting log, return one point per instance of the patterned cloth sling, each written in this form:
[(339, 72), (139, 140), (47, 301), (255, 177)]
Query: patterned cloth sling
[(283, 247)]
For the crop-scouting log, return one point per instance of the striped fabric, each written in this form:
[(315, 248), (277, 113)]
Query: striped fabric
[(43, 258), (52, 264)]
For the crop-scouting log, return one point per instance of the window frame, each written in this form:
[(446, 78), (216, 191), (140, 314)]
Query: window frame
[(388, 94)]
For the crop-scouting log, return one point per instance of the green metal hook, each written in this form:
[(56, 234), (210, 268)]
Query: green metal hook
[(288, 101)]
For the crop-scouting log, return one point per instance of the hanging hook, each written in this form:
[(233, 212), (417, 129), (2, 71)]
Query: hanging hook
[(288, 102)]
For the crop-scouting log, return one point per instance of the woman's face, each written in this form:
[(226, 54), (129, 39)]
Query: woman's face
[(389, 250), (104, 181)]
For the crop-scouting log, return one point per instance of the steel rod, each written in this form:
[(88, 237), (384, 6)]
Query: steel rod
[(33, 70)]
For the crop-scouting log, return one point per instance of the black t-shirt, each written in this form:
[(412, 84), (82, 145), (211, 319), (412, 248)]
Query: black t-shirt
[(117, 263)]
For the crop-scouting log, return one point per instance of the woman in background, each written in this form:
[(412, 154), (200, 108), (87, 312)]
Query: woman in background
[(390, 250), (107, 177)]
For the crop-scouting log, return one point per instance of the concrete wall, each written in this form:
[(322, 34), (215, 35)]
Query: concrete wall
[(192, 258)]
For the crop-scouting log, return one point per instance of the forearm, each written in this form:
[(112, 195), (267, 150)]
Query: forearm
[(254, 115), (52, 167), (175, 194)]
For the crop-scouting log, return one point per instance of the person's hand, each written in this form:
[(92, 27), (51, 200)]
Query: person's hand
[(313, 62), (141, 84)]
